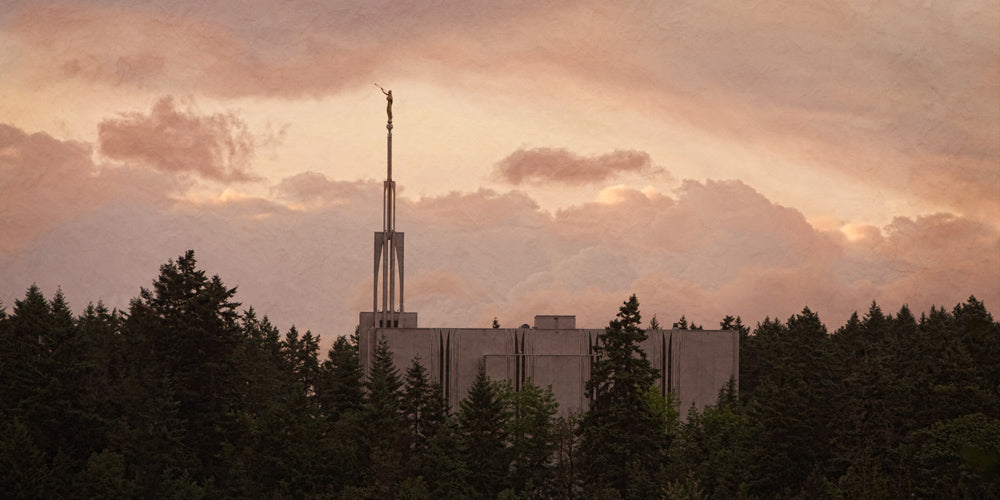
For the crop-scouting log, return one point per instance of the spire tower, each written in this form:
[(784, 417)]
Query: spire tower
[(388, 245)]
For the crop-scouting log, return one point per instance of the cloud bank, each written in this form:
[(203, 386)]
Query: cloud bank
[(806, 101), (705, 250), (891, 95)]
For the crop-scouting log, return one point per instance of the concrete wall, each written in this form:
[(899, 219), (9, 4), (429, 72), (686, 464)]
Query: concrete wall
[(695, 365), (700, 364)]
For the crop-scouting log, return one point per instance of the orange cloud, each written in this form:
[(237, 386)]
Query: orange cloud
[(548, 165), (217, 147)]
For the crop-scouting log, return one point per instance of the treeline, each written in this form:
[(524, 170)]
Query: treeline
[(183, 395)]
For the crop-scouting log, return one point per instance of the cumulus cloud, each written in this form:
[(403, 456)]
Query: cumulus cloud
[(218, 147), (315, 189), (706, 228), (549, 165), (720, 247), (482, 209), (939, 254), (705, 250), (45, 181), (40, 179)]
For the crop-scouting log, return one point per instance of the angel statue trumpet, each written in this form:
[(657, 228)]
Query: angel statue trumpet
[(388, 101)]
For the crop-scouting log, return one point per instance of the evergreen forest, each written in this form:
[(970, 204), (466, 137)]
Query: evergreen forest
[(186, 394)]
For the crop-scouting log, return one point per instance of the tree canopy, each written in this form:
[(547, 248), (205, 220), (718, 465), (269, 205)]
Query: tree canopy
[(185, 394)]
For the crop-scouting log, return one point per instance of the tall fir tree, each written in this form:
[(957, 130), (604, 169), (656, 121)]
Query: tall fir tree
[(338, 388), (300, 354), (21, 351), (423, 406), (623, 442), (796, 404), (482, 420), (383, 427), (340, 394), (531, 431), (443, 465), (183, 334)]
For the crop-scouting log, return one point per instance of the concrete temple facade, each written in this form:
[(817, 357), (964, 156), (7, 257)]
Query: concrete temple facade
[(694, 365)]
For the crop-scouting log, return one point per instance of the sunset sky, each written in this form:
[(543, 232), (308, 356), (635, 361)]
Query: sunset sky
[(713, 157)]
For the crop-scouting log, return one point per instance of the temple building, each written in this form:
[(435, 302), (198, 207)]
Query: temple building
[(694, 365)]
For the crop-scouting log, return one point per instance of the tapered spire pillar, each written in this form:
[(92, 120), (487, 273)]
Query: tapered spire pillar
[(388, 262)]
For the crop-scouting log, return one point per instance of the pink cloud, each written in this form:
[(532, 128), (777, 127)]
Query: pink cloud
[(721, 248), (560, 166), (217, 52), (45, 181), (902, 98), (482, 209), (217, 147), (314, 189), (473, 256)]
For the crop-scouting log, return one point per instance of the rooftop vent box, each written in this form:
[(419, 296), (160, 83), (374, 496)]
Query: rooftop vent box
[(555, 322)]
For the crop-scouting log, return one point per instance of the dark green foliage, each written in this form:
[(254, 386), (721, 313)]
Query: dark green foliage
[(682, 324), (482, 423), (735, 324), (105, 476), (21, 351), (959, 456), (423, 406), (382, 411), (300, 357), (23, 469), (182, 336), (338, 388), (566, 480), (712, 451), (623, 442), (794, 403), (183, 396), (180, 397), (384, 437), (340, 398), (443, 464), (841, 415), (531, 431)]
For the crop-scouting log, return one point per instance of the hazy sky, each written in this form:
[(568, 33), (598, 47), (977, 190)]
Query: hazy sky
[(713, 157)]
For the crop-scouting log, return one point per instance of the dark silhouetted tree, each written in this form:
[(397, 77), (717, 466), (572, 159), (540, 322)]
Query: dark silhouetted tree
[(338, 389), (482, 423), (623, 442), (531, 432), (423, 406), (384, 432)]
